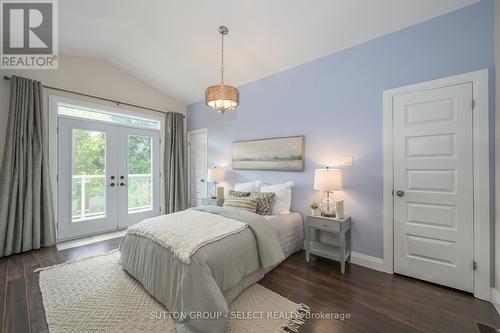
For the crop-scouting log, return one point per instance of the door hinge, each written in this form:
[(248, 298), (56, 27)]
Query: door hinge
[(474, 266), (473, 104)]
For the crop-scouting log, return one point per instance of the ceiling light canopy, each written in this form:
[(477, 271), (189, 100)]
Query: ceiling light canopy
[(222, 97)]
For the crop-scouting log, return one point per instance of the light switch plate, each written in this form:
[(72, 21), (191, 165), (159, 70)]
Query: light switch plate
[(347, 160)]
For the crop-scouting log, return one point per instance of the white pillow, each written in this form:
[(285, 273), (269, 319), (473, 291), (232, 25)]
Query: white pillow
[(283, 198), (248, 187)]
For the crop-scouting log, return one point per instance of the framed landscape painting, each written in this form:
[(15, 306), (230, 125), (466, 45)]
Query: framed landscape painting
[(276, 154)]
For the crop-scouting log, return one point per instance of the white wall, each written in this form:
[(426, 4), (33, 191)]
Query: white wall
[(90, 76), (497, 144)]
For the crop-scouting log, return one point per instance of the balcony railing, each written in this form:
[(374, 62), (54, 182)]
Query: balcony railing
[(87, 210)]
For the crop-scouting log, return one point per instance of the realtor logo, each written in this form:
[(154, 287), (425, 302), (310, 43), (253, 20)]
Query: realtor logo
[(29, 34)]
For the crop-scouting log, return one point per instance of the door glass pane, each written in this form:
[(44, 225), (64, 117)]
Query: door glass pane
[(140, 175), (88, 189)]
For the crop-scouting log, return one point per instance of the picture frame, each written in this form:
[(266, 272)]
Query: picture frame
[(269, 154)]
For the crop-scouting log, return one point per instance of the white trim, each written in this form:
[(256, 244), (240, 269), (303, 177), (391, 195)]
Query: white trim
[(367, 261), (81, 241), (198, 131), (495, 299), (482, 221)]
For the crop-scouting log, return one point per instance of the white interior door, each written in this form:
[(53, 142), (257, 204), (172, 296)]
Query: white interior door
[(433, 185), (197, 141), (139, 192), (87, 191)]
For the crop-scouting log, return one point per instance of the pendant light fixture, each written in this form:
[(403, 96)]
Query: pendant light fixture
[(222, 97)]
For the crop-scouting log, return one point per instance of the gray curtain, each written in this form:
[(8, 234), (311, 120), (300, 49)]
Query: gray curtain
[(26, 211), (175, 164)]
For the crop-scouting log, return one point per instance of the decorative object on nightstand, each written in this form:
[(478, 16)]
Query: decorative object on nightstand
[(314, 208), (339, 209), (212, 202), (220, 192), (341, 227), (328, 180), (215, 175)]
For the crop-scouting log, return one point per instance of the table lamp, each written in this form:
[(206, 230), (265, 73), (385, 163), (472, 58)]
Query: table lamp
[(328, 180), (215, 175)]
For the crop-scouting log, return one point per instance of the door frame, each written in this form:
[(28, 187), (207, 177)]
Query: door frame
[(482, 213), (93, 103), (189, 133)]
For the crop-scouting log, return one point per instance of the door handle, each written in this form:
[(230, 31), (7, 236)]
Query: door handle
[(123, 184), (202, 180), (400, 193)]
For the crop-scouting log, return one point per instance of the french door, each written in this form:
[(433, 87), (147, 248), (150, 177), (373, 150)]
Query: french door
[(108, 176)]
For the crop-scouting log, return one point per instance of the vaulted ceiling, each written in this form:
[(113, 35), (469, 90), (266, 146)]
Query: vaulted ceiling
[(175, 45)]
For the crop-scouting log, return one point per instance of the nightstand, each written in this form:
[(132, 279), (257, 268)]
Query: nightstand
[(341, 228), (212, 202)]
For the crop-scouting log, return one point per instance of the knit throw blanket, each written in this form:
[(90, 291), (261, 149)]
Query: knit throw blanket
[(183, 233)]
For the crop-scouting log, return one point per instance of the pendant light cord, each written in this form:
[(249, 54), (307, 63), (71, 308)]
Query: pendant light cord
[(222, 109), (222, 59)]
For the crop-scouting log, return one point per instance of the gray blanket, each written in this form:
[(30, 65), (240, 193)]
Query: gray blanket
[(217, 274)]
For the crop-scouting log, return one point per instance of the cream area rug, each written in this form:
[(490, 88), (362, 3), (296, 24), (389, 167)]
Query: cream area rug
[(96, 295)]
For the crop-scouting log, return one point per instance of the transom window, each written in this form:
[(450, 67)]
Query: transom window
[(80, 112)]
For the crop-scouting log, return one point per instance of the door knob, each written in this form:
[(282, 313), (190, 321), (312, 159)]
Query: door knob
[(112, 184), (123, 184), (202, 180), (112, 177), (400, 193)]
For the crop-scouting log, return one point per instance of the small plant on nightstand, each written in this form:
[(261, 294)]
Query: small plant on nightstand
[(314, 208)]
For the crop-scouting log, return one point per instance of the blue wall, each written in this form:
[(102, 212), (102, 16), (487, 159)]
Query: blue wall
[(336, 102)]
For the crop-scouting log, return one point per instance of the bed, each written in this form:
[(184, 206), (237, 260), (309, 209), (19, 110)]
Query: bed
[(289, 229), (218, 271)]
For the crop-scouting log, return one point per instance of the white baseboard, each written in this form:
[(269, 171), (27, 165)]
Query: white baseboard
[(364, 260), (367, 261), (495, 298)]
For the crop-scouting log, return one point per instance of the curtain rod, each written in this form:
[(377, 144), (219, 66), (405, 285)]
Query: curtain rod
[(7, 78)]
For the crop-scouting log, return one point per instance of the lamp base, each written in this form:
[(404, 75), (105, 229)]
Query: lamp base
[(328, 214)]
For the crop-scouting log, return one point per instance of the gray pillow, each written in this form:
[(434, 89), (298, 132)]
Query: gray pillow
[(265, 201), (234, 193), (244, 203)]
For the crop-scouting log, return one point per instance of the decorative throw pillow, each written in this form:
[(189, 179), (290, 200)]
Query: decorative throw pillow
[(233, 193), (265, 202), (244, 203)]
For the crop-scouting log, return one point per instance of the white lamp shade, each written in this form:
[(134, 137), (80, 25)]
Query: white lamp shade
[(328, 180), (215, 175)]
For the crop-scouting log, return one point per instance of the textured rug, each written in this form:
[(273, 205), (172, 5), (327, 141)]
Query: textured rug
[(96, 295)]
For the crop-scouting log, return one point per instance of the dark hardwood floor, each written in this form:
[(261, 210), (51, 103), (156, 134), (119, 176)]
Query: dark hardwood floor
[(375, 301)]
